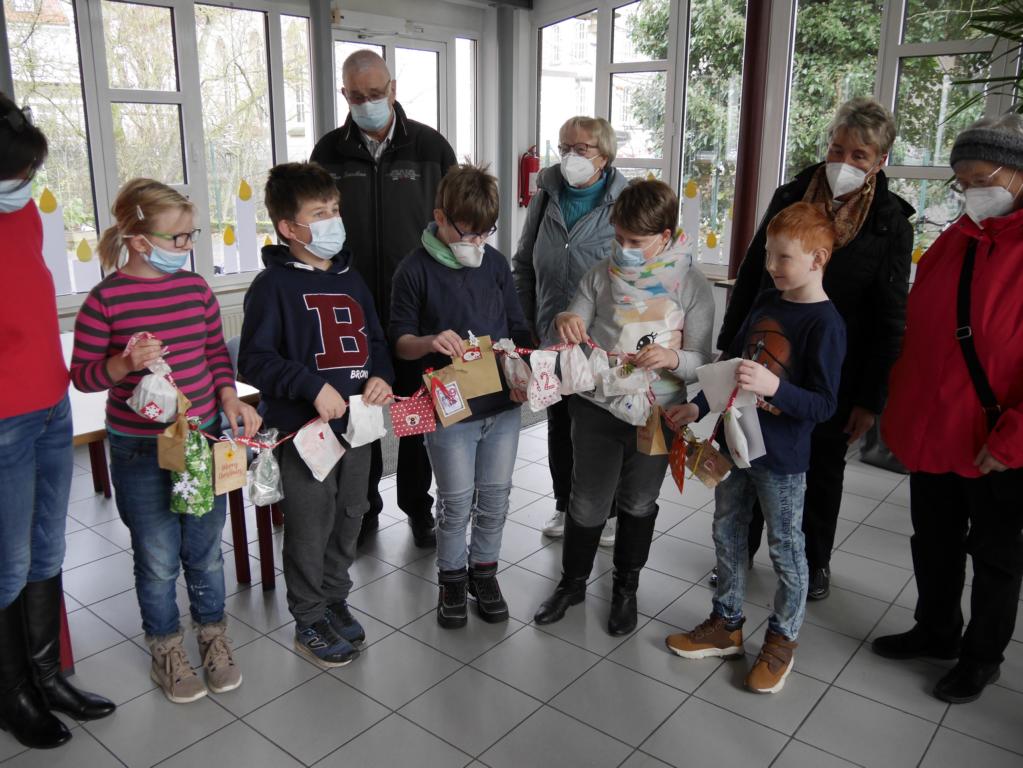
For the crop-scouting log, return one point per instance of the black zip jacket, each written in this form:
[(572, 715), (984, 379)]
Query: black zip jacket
[(867, 280), (385, 205)]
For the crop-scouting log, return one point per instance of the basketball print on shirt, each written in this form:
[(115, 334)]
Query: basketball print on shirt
[(776, 354), (342, 330)]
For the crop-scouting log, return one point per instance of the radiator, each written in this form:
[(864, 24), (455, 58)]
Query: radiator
[(231, 320)]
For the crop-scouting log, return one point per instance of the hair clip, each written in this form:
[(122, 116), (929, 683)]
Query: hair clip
[(138, 212)]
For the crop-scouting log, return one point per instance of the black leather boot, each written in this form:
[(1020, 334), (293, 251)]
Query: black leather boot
[(965, 682), (632, 546), (577, 554), (41, 605), (917, 642), (23, 712)]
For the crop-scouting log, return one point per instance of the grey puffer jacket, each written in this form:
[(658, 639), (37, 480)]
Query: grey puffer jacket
[(550, 261)]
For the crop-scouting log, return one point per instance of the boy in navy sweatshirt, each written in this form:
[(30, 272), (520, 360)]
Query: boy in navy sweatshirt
[(800, 338), (310, 340), (456, 283)]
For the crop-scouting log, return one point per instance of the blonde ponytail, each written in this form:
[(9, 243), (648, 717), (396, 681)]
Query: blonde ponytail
[(137, 202)]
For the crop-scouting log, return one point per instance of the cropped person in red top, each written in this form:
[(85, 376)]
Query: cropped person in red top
[(955, 417), (150, 291), (35, 461)]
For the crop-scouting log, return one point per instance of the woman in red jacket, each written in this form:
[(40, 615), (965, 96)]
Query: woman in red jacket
[(35, 461), (955, 417)]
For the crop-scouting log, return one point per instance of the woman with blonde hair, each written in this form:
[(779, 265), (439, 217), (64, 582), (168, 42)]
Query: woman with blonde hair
[(568, 229), (148, 289)]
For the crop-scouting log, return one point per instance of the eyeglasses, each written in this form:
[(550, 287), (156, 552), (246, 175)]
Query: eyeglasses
[(374, 95), (957, 186), (470, 235), (578, 149), (181, 240)]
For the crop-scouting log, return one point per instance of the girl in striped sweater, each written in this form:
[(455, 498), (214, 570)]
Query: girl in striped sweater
[(146, 289)]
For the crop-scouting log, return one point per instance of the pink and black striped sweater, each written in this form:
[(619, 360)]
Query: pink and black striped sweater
[(180, 310)]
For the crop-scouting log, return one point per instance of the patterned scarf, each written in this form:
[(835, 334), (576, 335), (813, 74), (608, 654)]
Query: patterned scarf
[(659, 277), (850, 215)]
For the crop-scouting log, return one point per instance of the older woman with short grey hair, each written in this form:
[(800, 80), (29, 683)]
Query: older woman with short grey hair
[(867, 278), (568, 230)]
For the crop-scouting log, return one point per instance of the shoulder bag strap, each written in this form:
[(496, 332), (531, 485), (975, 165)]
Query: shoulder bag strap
[(964, 334)]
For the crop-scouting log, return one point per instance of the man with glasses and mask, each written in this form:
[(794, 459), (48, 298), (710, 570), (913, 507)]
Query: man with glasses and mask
[(387, 168)]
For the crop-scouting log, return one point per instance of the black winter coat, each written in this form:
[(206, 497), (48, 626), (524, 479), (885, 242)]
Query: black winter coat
[(385, 206), (867, 279)]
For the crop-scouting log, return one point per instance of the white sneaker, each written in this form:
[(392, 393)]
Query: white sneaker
[(607, 536), (555, 527)]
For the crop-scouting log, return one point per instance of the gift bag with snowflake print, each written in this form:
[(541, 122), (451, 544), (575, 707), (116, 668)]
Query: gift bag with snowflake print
[(192, 490)]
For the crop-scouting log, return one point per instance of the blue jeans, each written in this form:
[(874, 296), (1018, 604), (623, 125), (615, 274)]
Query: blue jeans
[(473, 463), (36, 459), (163, 541), (781, 499)]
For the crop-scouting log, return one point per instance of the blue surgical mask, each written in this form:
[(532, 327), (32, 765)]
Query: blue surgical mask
[(328, 237), (14, 195), (371, 116), (167, 261), (627, 257)]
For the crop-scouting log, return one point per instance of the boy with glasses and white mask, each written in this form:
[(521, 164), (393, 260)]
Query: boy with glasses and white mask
[(568, 229), (867, 279), (387, 168)]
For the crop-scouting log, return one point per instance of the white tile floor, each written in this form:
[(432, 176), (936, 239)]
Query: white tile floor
[(520, 695)]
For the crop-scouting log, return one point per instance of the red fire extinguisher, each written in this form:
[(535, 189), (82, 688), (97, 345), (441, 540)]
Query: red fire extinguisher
[(529, 168)]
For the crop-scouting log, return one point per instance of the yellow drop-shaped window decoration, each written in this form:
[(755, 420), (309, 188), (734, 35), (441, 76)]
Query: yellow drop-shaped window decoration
[(691, 189), (83, 251), (651, 176), (268, 241), (229, 235), (917, 253), (244, 190), (712, 240), (47, 202)]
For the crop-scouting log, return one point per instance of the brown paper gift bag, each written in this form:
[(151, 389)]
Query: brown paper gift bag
[(446, 395), (476, 369), (170, 446), (230, 467), (650, 436)]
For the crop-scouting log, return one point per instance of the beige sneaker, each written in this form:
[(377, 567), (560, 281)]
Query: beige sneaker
[(222, 674), (172, 671), (773, 664), (712, 638)]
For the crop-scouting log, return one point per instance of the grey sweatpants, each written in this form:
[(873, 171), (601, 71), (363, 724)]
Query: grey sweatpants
[(606, 467), (321, 526)]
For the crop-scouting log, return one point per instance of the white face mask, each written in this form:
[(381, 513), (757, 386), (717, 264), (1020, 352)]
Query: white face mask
[(328, 237), (467, 254), (844, 178), (577, 170), (988, 202)]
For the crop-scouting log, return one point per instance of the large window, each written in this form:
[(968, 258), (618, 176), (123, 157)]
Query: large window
[(828, 69), (568, 72), (48, 78), (931, 57), (177, 91), (682, 128)]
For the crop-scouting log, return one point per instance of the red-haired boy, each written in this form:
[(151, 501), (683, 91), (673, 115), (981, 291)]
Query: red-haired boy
[(800, 338)]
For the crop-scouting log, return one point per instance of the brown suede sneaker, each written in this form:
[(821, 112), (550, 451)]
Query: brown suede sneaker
[(773, 664), (222, 674), (714, 637), (172, 671)]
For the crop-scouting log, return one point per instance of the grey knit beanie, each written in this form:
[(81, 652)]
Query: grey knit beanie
[(997, 140)]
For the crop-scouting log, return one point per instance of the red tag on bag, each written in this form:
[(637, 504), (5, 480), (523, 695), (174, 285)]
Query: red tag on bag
[(413, 417), (677, 461)]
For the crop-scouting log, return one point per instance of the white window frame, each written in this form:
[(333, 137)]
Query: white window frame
[(891, 50), (99, 97), (392, 33)]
